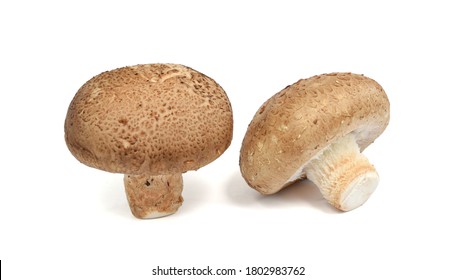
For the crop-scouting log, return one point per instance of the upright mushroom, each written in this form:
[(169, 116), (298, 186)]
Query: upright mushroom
[(152, 123), (317, 129)]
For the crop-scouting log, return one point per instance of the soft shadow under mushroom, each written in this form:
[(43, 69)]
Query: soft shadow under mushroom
[(195, 193), (302, 193)]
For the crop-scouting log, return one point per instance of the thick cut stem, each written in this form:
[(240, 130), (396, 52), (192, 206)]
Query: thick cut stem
[(344, 176), (154, 196)]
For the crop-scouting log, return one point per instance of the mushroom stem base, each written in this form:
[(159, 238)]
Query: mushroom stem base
[(344, 176), (153, 196)]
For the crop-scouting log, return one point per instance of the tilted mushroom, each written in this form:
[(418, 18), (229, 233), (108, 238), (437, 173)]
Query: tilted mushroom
[(150, 122), (317, 129)]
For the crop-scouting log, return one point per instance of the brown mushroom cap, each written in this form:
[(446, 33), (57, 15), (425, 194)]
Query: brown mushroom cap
[(297, 123), (149, 119)]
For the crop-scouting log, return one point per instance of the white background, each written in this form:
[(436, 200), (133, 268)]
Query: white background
[(62, 220)]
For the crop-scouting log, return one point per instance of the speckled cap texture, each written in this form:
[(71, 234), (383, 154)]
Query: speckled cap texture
[(298, 122), (149, 119)]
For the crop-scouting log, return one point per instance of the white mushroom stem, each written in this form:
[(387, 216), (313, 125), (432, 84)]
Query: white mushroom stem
[(344, 176), (154, 196)]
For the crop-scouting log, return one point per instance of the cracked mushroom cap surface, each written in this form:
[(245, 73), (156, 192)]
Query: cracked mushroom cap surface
[(149, 119), (298, 122)]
